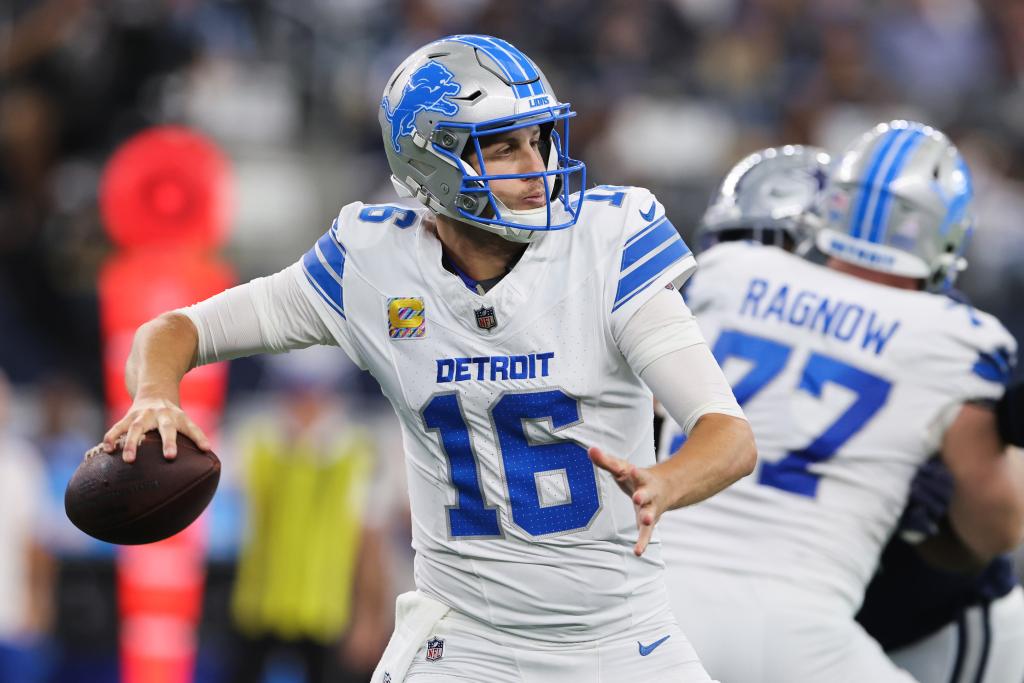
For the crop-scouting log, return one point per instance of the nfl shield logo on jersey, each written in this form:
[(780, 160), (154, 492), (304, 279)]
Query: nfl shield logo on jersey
[(435, 649), (485, 318)]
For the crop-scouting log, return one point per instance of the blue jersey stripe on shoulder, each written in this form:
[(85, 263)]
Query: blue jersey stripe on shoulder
[(323, 296), (326, 283), (647, 272), (994, 367), (658, 233), (644, 230), (333, 231), (332, 253)]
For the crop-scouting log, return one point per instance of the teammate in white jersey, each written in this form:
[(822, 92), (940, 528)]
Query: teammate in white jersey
[(509, 342), (852, 375)]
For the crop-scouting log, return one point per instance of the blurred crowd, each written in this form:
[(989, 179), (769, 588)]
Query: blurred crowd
[(670, 93)]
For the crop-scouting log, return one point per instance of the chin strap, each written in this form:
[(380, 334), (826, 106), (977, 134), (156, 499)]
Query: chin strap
[(539, 217), (531, 217), (536, 217)]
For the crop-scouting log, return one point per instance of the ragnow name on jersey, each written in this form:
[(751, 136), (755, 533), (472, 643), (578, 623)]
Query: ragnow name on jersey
[(829, 316), (849, 385)]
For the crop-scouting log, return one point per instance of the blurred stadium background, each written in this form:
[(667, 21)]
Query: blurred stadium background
[(670, 94)]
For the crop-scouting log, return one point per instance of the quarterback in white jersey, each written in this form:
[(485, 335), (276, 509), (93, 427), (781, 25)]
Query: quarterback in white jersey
[(513, 323), (852, 375)]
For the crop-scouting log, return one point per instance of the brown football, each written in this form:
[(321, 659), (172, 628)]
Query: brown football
[(144, 501)]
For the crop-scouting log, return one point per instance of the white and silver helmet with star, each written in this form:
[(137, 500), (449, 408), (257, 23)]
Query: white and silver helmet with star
[(769, 197)]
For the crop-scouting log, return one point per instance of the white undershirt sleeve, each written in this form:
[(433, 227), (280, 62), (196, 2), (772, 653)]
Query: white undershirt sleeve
[(664, 346), (266, 315)]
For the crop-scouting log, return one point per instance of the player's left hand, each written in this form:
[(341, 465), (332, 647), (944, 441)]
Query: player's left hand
[(643, 485)]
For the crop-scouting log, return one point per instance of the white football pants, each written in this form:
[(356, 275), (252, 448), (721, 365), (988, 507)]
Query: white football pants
[(985, 645), (458, 648), (751, 629)]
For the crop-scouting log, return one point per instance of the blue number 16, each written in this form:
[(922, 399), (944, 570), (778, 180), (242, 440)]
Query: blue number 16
[(768, 358), (523, 460)]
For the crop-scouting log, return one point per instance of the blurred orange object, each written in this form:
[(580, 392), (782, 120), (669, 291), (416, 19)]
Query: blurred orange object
[(167, 186), (165, 198), (139, 284)]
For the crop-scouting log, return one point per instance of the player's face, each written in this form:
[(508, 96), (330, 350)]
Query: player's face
[(517, 151)]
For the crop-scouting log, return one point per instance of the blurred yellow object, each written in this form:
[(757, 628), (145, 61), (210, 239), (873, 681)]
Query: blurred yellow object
[(306, 501)]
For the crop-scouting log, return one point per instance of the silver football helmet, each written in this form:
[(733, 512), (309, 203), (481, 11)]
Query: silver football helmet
[(898, 202), (768, 197), (448, 95)]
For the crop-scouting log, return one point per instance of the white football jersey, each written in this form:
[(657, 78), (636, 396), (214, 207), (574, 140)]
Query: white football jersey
[(499, 395), (849, 386)]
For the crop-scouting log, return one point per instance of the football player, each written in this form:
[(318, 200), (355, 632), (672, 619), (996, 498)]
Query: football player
[(513, 323), (852, 374), (939, 624)]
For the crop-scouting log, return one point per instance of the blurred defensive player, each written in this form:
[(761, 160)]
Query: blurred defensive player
[(508, 342), (852, 375)]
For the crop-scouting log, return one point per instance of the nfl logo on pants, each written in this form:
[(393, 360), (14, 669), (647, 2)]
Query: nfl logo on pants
[(435, 649)]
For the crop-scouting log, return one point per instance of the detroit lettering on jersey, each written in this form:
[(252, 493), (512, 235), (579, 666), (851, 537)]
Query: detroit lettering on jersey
[(846, 321), (493, 368)]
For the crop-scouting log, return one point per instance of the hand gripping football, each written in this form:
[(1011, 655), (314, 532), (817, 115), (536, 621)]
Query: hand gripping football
[(144, 501)]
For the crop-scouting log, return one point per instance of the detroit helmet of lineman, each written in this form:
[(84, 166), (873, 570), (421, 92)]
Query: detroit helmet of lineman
[(448, 95), (769, 197), (898, 202)]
